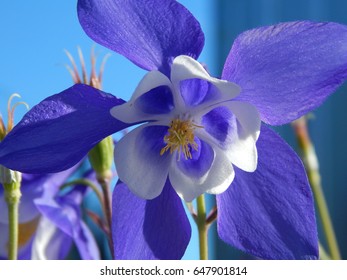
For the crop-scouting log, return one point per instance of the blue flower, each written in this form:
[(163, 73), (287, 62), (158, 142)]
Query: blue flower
[(200, 131), (49, 222)]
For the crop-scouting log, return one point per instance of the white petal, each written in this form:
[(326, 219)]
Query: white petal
[(215, 181), (240, 144), (139, 163), (248, 116), (185, 67), (127, 112), (243, 153)]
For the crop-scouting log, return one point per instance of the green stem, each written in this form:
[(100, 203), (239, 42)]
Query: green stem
[(312, 169), (87, 183), (12, 196), (323, 255), (202, 227), (104, 183)]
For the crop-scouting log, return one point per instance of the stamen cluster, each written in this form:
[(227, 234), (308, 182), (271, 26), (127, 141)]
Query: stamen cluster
[(180, 138)]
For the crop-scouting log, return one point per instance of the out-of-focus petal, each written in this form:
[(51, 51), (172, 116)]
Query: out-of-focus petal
[(149, 229), (149, 32), (288, 69), (270, 213), (58, 132), (50, 243), (64, 212)]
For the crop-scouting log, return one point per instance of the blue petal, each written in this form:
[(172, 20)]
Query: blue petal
[(270, 213), (197, 92), (289, 69), (157, 101), (58, 132), (221, 124), (201, 160), (194, 91), (149, 229), (149, 32)]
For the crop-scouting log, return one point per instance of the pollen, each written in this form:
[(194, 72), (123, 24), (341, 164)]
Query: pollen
[(180, 138)]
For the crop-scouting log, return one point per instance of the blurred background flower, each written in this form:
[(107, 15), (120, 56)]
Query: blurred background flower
[(50, 221)]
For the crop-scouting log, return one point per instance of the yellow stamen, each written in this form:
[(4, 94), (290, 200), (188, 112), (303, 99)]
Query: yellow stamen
[(10, 110), (94, 79), (180, 138), (2, 128), (83, 66)]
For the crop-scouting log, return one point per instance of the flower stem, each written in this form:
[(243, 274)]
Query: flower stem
[(311, 164), (13, 230), (202, 227), (104, 183), (323, 255), (12, 197), (87, 183)]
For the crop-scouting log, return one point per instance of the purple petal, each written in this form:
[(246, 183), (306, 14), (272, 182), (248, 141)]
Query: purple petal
[(156, 101), (150, 32), (289, 69), (194, 91), (58, 132), (200, 162), (149, 229), (270, 213)]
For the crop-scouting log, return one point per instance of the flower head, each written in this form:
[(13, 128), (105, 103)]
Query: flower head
[(211, 126), (182, 139)]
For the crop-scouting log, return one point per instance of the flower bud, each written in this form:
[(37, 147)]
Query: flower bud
[(101, 157), (11, 181)]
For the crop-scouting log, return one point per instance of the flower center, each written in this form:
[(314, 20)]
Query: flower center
[(180, 138)]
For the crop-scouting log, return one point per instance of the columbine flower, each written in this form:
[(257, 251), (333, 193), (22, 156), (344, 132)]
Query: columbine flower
[(194, 122), (49, 223), (186, 137)]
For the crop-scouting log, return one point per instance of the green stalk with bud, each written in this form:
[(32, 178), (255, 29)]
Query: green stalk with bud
[(11, 181)]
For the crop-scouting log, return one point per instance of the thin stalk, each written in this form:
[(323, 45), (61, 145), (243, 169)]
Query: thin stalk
[(212, 216), (87, 183), (104, 183), (192, 211), (323, 255), (312, 168), (202, 227), (12, 197)]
